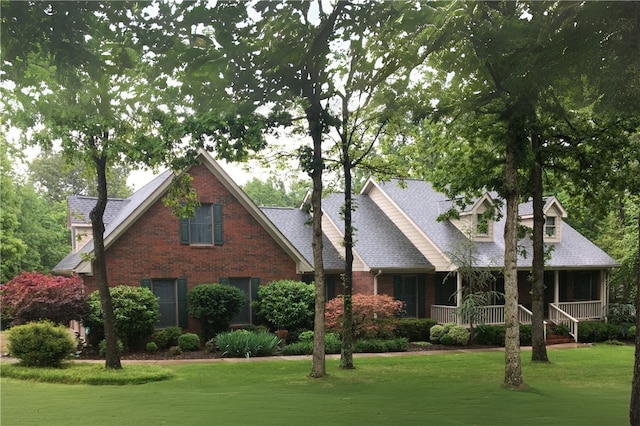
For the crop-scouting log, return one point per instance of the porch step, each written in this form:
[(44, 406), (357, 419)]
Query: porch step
[(556, 339)]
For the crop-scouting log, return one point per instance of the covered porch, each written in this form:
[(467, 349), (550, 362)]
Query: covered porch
[(570, 297)]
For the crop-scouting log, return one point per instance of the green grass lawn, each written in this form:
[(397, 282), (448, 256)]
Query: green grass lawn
[(585, 386)]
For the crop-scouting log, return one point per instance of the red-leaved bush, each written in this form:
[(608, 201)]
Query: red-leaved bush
[(374, 316), (32, 296)]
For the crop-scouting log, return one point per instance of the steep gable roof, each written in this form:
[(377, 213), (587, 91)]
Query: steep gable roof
[(377, 240), (295, 226), (141, 200), (79, 207)]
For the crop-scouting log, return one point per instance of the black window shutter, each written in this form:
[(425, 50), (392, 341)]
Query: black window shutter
[(183, 320), (184, 230), (422, 296), (146, 283), (330, 286), (255, 285), (218, 236), (224, 281), (397, 286)]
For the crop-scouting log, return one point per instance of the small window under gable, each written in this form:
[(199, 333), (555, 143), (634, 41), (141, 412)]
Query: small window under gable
[(553, 218), (477, 222)]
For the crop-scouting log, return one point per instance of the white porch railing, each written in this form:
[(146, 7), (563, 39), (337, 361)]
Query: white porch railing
[(559, 316), (492, 314), (587, 310)]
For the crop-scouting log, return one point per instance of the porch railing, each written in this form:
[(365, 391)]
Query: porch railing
[(559, 316), (586, 310), (492, 314)]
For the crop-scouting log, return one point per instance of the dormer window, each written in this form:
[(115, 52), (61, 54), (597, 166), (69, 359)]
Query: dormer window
[(482, 225), (550, 226)]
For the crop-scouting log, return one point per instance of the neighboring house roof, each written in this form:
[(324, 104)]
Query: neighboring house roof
[(378, 242), (79, 208), (134, 206), (422, 204), (295, 225)]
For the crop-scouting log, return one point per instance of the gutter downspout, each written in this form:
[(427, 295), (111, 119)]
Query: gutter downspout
[(375, 282)]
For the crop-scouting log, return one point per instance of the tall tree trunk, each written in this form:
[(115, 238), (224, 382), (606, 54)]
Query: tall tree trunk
[(318, 368), (346, 351), (512, 362), (112, 359), (634, 408), (539, 347)]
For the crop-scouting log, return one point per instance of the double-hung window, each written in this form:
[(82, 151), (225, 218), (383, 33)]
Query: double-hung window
[(204, 227), (550, 226)]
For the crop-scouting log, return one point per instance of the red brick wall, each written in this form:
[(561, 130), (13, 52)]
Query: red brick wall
[(151, 247)]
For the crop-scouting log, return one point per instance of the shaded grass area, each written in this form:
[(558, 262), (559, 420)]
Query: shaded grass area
[(585, 386), (88, 374)]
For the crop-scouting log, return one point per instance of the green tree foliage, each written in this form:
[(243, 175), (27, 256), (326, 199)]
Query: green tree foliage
[(136, 313), (56, 179), (214, 306), (275, 192), (35, 297), (12, 246)]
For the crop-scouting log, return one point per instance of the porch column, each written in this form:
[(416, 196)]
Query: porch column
[(458, 295), (604, 292), (556, 286)]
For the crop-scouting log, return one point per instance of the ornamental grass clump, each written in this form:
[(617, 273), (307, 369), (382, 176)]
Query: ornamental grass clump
[(41, 344), (244, 344)]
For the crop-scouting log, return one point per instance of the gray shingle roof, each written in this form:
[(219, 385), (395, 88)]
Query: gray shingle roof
[(377, 240), (423, 205), (295, 225), (79, 208), (119, 211)]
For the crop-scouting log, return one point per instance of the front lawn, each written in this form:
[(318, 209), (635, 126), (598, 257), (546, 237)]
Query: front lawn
[(585, 386)]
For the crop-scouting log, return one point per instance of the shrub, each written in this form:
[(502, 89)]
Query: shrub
[(436, 332), (306, 336), (41, 344), (525, 334), (287, 304), (374, 316), (598, 332), (32, 296), (446, 340), (102, 348), (175, 351), (459, 335), (152, 347), (486, 334), (189, 342), (332, 345), (136, 313), (166, 337), (379, 345), (414, 329), (245, 344), (214, 306)]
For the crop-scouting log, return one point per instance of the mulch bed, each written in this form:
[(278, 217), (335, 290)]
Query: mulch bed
[(165, 355)]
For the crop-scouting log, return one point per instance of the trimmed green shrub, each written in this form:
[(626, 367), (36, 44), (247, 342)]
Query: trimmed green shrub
[(446, 339), (41, 344), (437, 331), (166, 337), (136, 313), (525, 334), (332, 345), (286, 304), (487, 334), (598, 332), (214, 306), (459, 335), (379, 345), (306, 336), (415, 329), (175, 351), (102, 348), (189, 342), (152, 347), (245, 344)]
